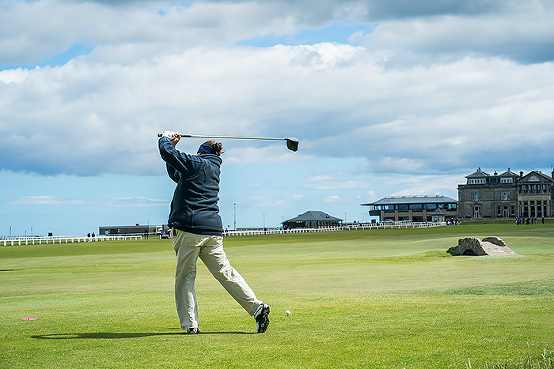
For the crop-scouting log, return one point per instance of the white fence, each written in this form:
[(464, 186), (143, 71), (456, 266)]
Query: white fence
[(351, 227), (12, 241), (252, 232), (391, 225)]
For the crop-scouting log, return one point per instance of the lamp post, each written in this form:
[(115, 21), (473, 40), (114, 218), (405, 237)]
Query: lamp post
[(264, 220), (235, 216)]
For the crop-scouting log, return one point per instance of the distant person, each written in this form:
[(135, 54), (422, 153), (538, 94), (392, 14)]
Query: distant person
[(198, 231)]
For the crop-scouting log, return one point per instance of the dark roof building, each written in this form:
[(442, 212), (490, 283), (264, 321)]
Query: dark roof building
[(414, 208), (312, 219)]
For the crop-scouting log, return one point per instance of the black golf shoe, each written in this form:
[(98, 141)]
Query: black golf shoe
[(192, 331), (262, 319)]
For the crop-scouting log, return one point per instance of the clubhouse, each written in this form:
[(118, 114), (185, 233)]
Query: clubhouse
[(414, 208), (506, 195)]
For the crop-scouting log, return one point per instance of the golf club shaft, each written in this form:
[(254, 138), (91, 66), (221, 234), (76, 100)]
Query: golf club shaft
[(233, 137)]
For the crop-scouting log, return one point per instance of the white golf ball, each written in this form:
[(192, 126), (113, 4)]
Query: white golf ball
[(287, 312)]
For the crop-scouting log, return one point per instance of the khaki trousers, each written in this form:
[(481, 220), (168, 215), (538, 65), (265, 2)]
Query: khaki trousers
[(188, 247)]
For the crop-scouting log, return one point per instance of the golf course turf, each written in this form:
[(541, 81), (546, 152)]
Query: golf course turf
[(358, 299)]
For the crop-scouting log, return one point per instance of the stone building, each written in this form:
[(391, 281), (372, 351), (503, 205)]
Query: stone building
[(506, 195)]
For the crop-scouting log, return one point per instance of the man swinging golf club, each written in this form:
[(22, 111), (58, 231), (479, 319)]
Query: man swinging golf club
[(197, 230)]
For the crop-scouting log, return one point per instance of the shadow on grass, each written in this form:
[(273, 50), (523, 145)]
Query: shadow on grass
[(117, 335)]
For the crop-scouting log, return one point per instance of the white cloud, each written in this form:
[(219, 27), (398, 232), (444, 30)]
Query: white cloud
[(87, 118), (242, 153), (135, 201), (115, 202), (519, 30), (46, 200), (367, 197), (333, 198)]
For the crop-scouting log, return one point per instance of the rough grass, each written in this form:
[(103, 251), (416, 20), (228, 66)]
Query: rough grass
[(375, 299)]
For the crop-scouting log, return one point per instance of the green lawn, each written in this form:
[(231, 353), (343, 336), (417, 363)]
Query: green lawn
[(359, 299)]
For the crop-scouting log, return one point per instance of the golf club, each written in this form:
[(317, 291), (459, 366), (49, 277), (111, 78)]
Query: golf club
[(292, 142)]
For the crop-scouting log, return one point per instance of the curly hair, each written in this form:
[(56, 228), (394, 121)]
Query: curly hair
[(217, 147)]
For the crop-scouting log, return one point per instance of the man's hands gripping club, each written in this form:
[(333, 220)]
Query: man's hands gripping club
[(174, 137)]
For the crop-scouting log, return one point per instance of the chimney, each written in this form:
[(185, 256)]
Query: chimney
[(521, 173)]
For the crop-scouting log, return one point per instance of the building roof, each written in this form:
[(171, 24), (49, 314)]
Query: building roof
[(509, 173), (394, 200), (478, 174), (535, 177), (313, 216)]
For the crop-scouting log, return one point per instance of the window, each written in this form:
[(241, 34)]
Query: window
[(403, 207), (429, 206), (416, 207), (507, 180), (477, 181), (504, 196), (451, 206), (475, 196)]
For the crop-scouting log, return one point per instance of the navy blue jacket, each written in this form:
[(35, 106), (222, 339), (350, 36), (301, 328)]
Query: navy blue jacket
[(194, 206)]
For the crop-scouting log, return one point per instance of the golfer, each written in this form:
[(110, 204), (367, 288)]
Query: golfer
[(197, 231)]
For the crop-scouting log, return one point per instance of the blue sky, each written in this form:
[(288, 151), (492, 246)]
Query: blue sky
[(339, 32), (387, 98)]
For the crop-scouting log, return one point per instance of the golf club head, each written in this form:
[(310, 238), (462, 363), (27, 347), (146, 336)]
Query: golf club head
[(292, 143)]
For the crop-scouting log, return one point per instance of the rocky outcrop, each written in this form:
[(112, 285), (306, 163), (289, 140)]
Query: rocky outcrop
[(493, 246)]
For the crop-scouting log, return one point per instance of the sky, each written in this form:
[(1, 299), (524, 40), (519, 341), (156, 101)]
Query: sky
[(387, 98)]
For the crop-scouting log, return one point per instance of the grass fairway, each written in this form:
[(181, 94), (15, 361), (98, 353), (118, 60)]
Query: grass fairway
[(359, 299)]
